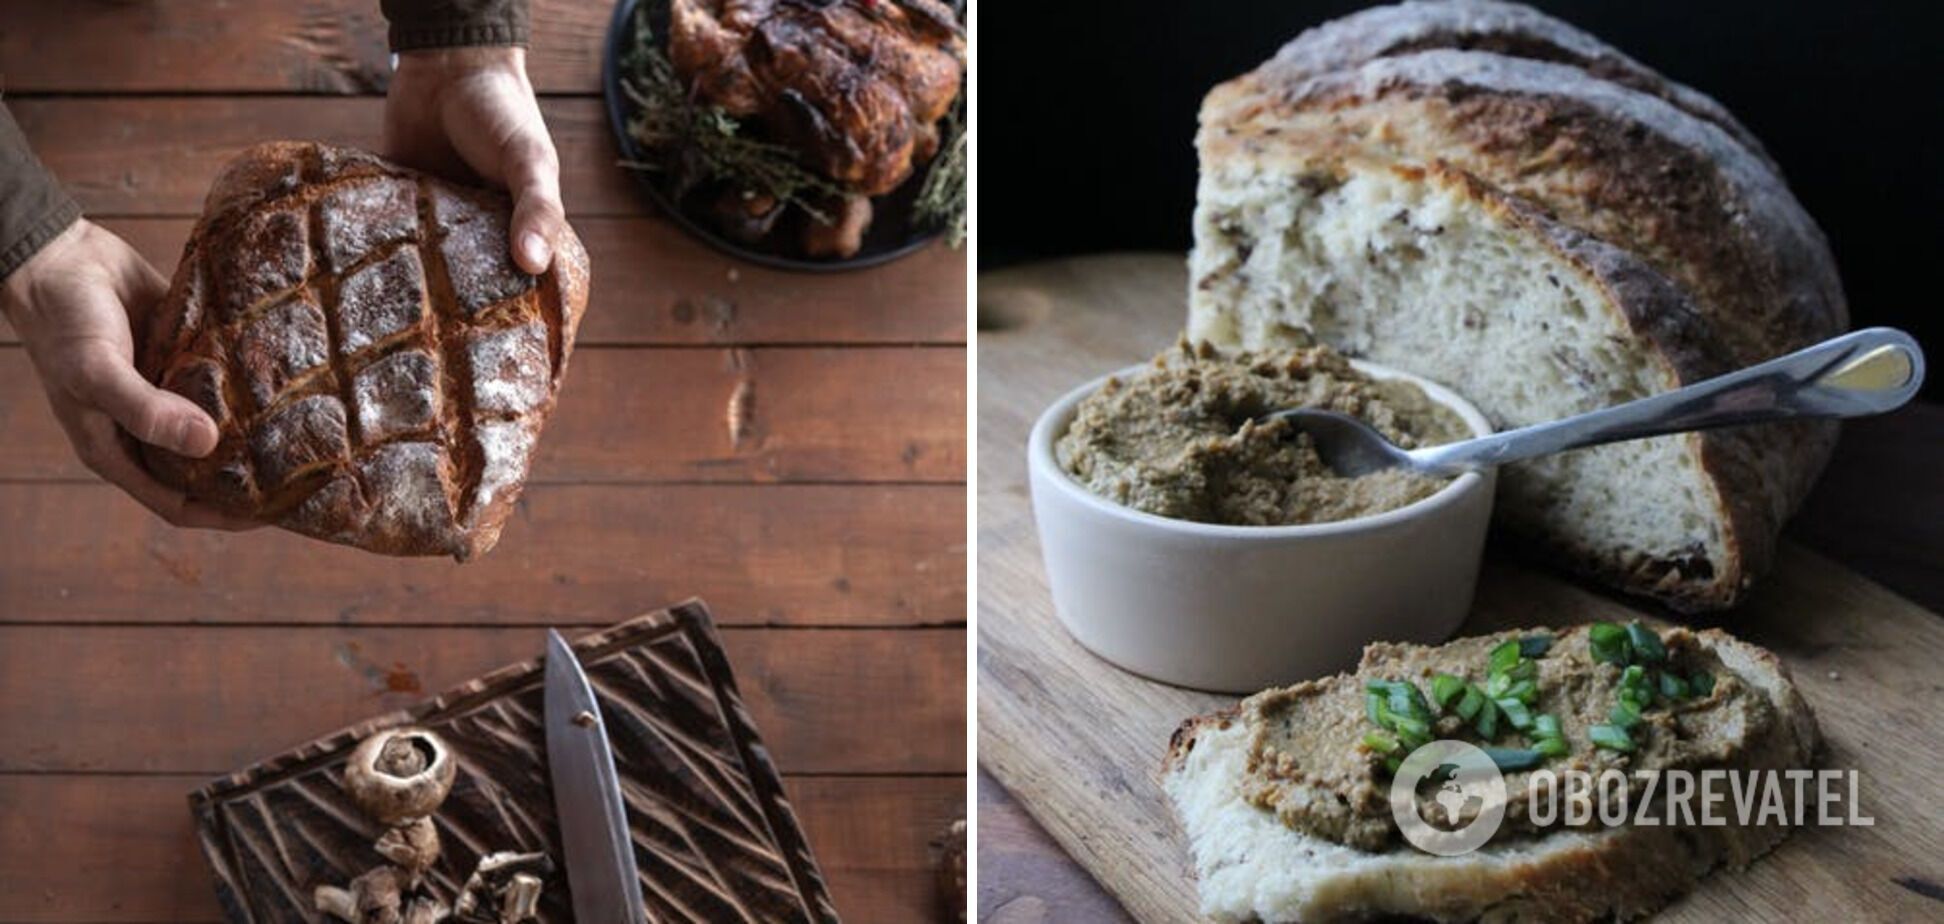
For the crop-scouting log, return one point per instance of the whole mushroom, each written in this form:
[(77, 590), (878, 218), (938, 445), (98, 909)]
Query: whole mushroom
[(400, 774)]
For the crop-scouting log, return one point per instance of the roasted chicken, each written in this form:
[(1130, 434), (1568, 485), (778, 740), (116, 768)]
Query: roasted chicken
[(857, 86)]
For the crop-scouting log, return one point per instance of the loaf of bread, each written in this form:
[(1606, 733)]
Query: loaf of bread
[(1483, 195), (378, 368)]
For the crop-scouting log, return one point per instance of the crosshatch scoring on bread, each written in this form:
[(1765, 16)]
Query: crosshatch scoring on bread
[(378, 368)]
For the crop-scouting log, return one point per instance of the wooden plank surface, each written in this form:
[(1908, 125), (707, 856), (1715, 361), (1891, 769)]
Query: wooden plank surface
[(322, 46), (110, 850), (825, 555), (208, 699), (1082, 754), (157, 156), (656, 414), (656, 286)]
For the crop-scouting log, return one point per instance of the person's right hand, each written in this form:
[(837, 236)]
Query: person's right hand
[(72, 304)]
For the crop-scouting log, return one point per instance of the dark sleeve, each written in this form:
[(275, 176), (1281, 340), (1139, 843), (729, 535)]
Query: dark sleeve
[(448, 23), (33, 207)]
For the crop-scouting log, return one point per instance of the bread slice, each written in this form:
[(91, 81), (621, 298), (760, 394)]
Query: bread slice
[(1250, 867), (1366, 201)]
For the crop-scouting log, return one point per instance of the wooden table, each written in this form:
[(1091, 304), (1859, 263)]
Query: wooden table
[(1879, 509), (137, 661)]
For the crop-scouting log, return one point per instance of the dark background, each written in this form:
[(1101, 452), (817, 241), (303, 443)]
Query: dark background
[(1088, 120)]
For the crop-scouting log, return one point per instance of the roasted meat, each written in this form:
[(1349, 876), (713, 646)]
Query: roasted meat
[(857, 86)]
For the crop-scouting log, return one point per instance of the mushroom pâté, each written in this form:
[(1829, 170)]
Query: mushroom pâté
[(400, 774)]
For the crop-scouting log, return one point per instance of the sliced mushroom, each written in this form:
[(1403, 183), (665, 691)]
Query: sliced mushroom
[(376, 897), (336, 902), (414, 845), (522, 899), (400, 774), (426, 910), (503, 889)]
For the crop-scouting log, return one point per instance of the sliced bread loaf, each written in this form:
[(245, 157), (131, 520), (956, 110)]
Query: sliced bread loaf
[(1411, 207), (1251, 867)]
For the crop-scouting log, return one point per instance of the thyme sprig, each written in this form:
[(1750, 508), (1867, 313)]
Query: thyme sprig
[(695, 142), (941, 200)]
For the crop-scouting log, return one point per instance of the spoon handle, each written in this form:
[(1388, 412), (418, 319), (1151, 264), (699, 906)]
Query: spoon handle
[(1866, 372)]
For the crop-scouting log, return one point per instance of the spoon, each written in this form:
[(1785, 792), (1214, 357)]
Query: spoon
[(1867, 372)]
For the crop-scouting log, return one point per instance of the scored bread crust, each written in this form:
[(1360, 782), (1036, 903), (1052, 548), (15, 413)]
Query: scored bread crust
[(1636, 161), (1622, 873), (1508, 29), (378, 369)]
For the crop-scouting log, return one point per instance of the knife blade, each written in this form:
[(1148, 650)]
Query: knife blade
[(599, 854)]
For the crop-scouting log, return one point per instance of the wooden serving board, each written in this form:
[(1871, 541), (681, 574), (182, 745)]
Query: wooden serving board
[(1080, 742), (715, 839)]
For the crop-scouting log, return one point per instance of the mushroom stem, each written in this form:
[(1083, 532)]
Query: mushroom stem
[(337, 903), (522, 899)]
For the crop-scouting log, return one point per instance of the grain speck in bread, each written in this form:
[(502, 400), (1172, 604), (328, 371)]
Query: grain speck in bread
[(1487, 197), (378, 369)]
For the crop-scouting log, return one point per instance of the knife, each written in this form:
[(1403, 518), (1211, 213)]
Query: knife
[(599, 859)]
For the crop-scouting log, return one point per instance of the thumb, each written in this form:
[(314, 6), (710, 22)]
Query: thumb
[(159, 418), (533, 178)]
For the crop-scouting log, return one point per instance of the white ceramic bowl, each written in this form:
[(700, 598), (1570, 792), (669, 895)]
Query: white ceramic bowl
[(1241, 608)]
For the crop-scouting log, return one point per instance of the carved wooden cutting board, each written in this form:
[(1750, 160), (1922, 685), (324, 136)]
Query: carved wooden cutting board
[(715, 839), (1080, 742)]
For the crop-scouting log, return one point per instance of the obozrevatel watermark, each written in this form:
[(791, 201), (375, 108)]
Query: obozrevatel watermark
[(1466, 786)]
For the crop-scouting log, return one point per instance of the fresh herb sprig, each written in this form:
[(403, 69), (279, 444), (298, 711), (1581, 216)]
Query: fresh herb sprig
[(695, 142), (941, 200)]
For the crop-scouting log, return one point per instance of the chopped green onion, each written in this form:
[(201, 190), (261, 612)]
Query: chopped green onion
[(1633, 676), (1608, 643), (1611, 738), (1624, 714), (1392, 763), (1535, 646), (1445, 688), (1702, 683), (1513, 759), (1546, 725), (1551, 747), (1524, 691), (1524, 670), (1374, 708), (1646, 643), (1497, 684), (1504, 656), (1487, 723), (1410, 727), (1473, 701), (1380, 742), (1673, 687), (1407, 701), (1516, 713)]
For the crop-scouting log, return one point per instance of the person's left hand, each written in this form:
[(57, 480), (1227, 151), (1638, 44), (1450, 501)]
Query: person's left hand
[(469, 113)]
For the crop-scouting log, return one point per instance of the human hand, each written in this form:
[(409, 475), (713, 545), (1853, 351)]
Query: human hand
[(72, 305), (470, 112)]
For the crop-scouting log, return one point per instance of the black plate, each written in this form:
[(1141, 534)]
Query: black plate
[(891, 235)]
